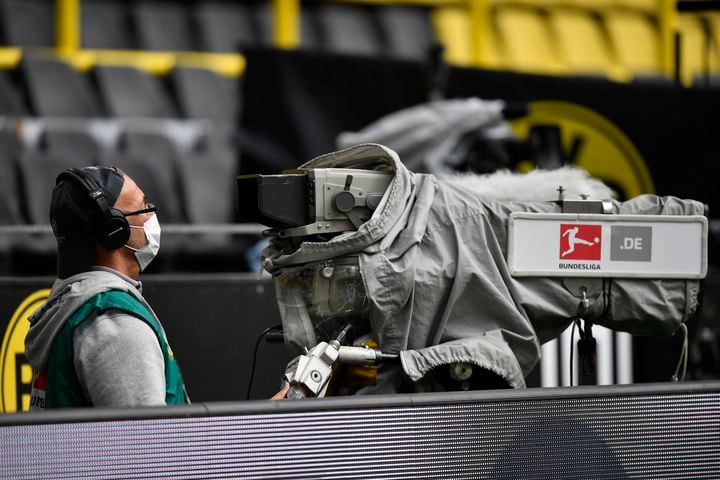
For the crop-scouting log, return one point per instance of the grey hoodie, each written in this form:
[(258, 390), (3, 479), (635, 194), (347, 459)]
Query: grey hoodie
[(146, 384)]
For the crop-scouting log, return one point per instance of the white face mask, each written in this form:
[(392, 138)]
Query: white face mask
[(146, 254)]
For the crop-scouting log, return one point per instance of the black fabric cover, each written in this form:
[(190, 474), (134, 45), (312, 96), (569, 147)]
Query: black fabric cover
[(296, 103)]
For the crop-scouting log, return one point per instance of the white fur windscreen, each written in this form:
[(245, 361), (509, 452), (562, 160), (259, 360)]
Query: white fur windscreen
[(536, 185)]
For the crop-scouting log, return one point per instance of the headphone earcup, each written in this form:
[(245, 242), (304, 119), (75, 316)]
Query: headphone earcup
[(116, 230)]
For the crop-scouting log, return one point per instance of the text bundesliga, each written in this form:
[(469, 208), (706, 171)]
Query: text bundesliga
[(579, 266)]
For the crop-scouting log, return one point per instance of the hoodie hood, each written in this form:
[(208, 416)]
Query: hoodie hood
[(66, 296)]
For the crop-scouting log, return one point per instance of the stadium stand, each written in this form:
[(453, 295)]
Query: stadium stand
[(136, 81)]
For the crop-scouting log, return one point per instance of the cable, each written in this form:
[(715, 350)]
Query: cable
[(576, 323), (257, 345), (682, 361)]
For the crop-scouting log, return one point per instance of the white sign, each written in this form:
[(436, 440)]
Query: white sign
[(593, 245)]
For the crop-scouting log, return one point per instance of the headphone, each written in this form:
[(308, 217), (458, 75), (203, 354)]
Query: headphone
[(114, 232)]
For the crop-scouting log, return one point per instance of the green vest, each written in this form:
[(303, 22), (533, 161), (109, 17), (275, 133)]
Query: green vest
[(63, 387)]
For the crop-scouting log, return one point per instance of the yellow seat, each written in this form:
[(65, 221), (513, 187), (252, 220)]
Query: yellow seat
[(454, 30), (636, 39), (713, 24), (693, 48), (583, 44), (651, 6), (526, 40)]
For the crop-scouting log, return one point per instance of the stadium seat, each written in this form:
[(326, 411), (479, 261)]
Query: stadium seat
[(526, 40), (454, 32), (11, 204), (208, 183), (152, 159), (28, 23), (35, 253), (694, 51), (636, 40), (581, 41), (12, 102), (347, 28), (712, 19), (129, 92), (263, 17), (38, 173), (73, 145), (309, 28), (712, 22), (226, 26), (164, 25), (208, 177), (55, 89), (106, 24), (407, 30), (203, 94)]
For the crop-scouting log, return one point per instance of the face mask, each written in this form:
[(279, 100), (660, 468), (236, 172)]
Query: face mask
[(146, 254)]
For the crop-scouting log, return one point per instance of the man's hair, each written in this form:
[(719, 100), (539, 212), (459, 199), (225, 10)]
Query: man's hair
[(75, 217)]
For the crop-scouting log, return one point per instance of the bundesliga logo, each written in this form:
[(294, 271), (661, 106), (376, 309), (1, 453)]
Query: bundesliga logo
[(580, 242)]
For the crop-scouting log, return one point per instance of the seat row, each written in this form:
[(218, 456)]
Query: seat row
[(164, 129), (48, 87), (190, 181), (620, 39), (220, 26)]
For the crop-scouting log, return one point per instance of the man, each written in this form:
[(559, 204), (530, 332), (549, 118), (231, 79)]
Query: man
[(96, 341)]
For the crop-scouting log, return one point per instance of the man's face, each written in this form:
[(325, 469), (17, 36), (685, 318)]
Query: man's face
[(132, 199)]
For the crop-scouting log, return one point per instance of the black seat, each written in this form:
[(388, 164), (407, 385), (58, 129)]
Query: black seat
[(164, 26), (347, 28), (204, 94), (407, 30), (226, 26), (35, 253), (129, 92), (55, 89), (12, 102), (106, 24), (210, 199), (10, 191), (28, 23), (152, 160), (310, 36), (208, 183), (74, 145), (263, 16), (38, 171)]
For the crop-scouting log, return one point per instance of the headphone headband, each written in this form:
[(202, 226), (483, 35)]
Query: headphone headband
[(114, 232)]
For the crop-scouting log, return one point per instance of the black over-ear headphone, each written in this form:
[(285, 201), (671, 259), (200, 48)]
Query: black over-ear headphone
[(114, 231)]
